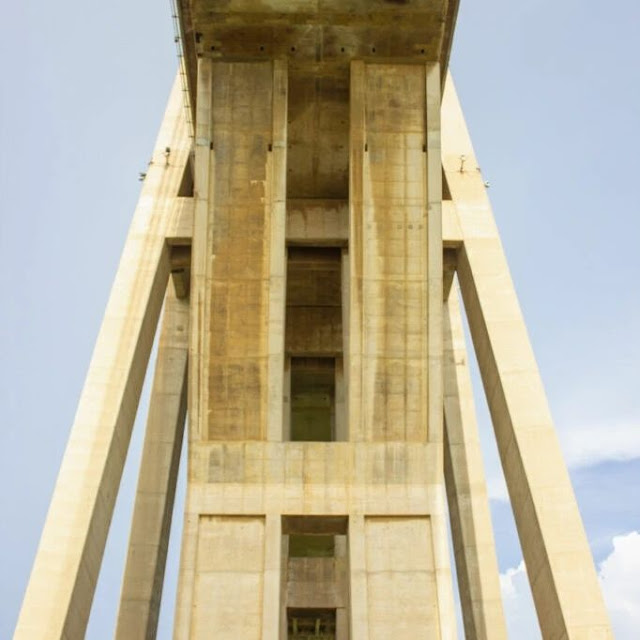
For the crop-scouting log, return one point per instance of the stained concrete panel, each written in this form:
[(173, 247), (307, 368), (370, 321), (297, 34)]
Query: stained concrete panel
[(239, 258), (401, 578), (229, 578), (318, 123), (389, 252), (244, 248)]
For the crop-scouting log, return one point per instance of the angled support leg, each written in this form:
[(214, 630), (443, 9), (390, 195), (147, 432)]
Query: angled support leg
[(203, 167), (60, 591), (473, 542), (561, 572), (149, 537)]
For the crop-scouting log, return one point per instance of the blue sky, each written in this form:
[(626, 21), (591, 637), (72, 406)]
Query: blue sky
[(551, 93)]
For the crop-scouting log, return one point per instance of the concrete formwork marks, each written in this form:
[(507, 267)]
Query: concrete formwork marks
[(389, 253)]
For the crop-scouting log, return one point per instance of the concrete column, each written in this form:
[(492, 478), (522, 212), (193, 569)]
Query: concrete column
[(60, 591), (286, 402), (346, 325), (199, 300), (358, 578), (395, 248), (434, 252), (442, 562), (149, 537), (343, 616), (471, 529), (284, 569), (239, 252), (236, 361), (272, 590), (341, 431), (355, 254), (199, 297), (277, 190), (559, 562), (230, 579), (187, 573), (434, 346)]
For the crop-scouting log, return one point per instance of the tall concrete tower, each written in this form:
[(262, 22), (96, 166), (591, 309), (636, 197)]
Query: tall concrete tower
[(311, 215)]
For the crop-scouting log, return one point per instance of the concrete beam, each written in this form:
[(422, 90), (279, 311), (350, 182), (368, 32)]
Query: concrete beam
[(309, 222), (277, 211), (322, 36), (451, 231), (318, 222), (180, 230)]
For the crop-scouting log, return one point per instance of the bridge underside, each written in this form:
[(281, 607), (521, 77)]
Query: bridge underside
[(317, 37)]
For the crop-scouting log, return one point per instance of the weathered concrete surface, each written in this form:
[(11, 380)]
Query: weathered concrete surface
[(244, 277), (314, 222), (316, 36), (395, 268)]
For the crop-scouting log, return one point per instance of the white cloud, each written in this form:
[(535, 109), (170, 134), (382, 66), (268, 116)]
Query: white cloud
[(496, 485), (588, 445), (620, 579), (519, 611), (619, 576)]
